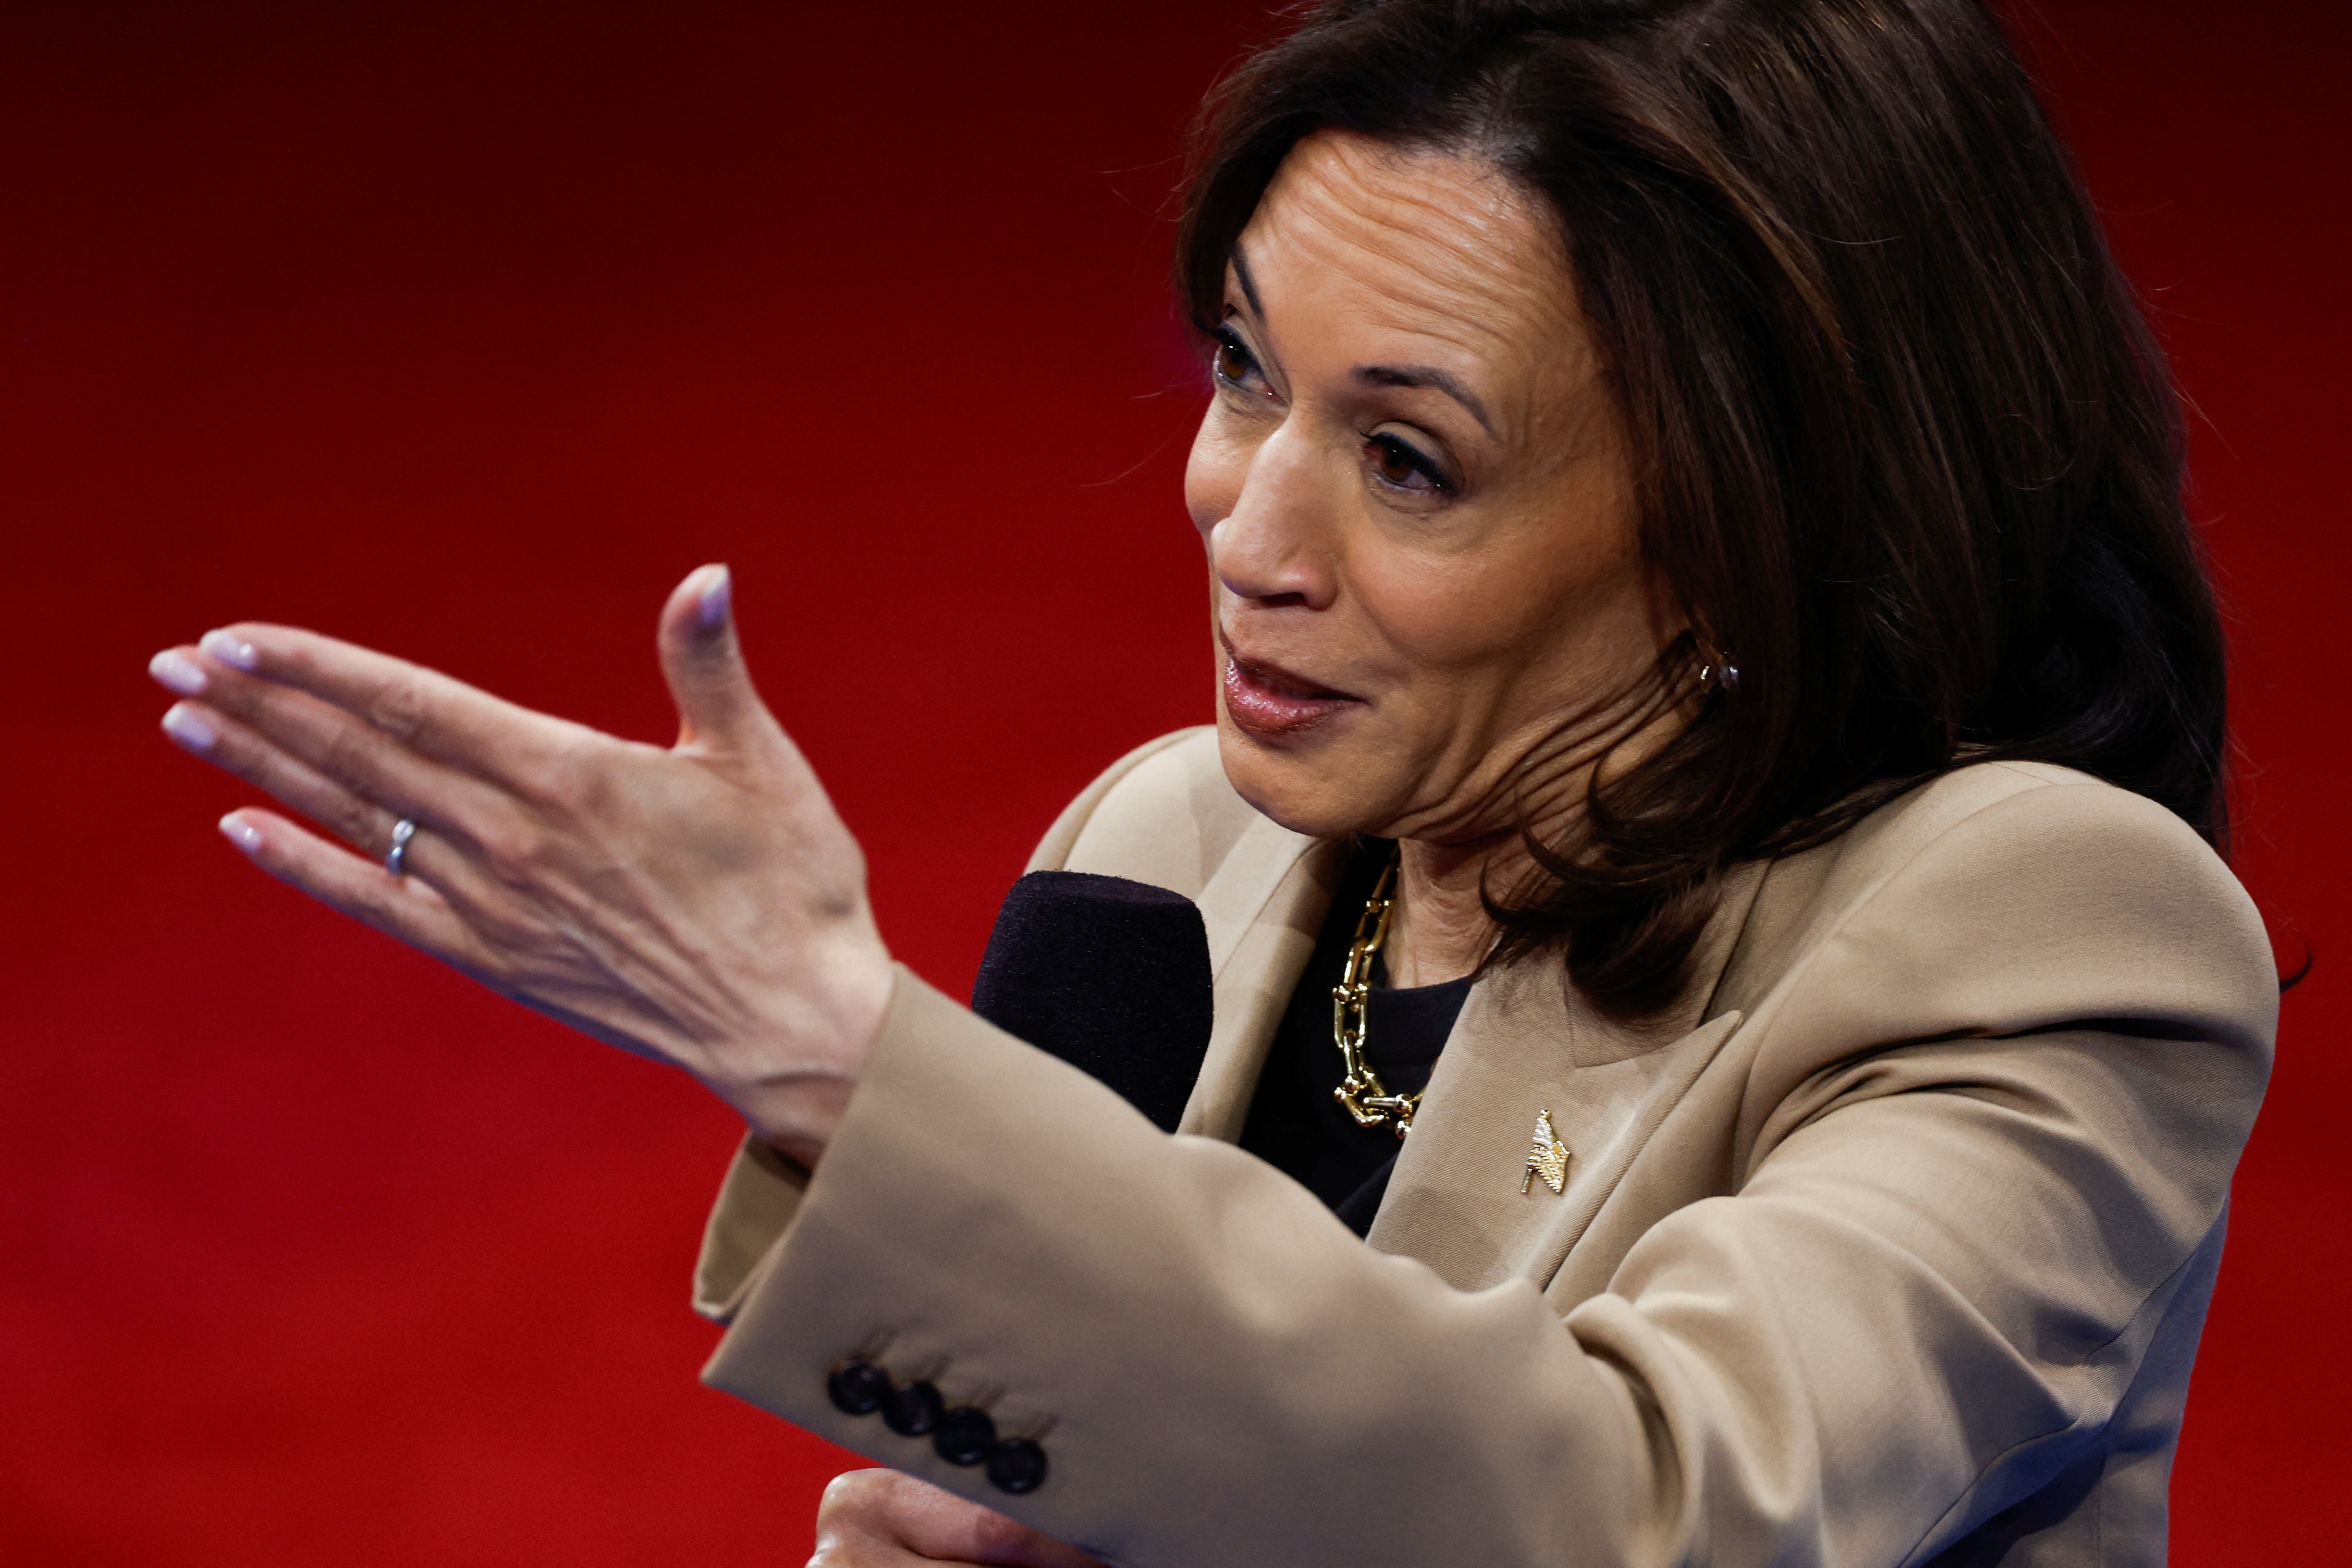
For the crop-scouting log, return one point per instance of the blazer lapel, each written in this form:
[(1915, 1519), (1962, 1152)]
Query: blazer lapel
[(1263, 908), (1526, 1043)]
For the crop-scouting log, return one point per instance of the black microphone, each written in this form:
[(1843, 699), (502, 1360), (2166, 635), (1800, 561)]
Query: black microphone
[(1110, 975)]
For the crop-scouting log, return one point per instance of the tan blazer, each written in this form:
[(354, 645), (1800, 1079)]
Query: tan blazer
[(1891, 1239)]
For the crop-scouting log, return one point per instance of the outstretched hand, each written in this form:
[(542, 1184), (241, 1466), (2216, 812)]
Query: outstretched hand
[(882, 1519), (702, 905)]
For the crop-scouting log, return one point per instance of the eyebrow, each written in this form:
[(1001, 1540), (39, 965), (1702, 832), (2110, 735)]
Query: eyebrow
[(1249, 284), (1414, 375), (1427, 375)]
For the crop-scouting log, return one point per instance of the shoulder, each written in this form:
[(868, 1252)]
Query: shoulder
[(2007, 898), (1162, 813)]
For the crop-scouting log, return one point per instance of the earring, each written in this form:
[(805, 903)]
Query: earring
[(1720, 673)]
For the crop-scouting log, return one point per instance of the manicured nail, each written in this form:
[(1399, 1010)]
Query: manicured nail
[(228, 650), (237, 832), (717, 597), (187, 726), (178, 673)]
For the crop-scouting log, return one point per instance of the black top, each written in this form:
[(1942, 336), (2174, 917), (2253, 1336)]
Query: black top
[(1295, 1124)]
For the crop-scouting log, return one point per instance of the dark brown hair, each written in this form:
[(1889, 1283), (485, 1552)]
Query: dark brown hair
[(1903, 444)]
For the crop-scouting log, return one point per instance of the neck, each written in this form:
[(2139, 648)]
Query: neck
[(1440, 930)]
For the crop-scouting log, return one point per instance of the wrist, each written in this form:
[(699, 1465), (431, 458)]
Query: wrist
[(798, 1121), (796, 1108)]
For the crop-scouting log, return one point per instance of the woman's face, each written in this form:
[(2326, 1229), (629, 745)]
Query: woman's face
[(1412, 487)]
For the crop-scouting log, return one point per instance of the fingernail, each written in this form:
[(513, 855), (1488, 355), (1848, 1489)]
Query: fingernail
[(178, 673), (228, 650), (717, 597), (187, 726), (239, 833)]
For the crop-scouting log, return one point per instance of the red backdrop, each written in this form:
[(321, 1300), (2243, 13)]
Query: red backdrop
[(465, 332)]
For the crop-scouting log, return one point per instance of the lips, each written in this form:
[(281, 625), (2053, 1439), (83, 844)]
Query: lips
[(1268, 701)]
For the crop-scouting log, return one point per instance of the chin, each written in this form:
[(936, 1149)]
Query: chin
[(1318, 789)]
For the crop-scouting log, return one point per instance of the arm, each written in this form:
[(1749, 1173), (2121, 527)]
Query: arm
[(1945, 1262), (1222, 1373), (763, 1190), (701, 905)]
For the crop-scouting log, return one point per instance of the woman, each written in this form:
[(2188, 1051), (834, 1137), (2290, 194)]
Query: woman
[(1707, 634)]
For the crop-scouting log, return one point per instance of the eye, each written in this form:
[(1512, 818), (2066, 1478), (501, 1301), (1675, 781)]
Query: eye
[(1235, 366), (1402, 466)]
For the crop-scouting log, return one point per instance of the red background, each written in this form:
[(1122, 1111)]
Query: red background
[(465, 332)]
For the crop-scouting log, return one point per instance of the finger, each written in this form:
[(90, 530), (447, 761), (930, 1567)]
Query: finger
[(427, 711), (412, 908), (853, 1531), (984, 1535), (352, 756), (859, 1525), (939, 1526), (718, 708), (366, 825), (402, 907), (840, 1548), (207, 733)]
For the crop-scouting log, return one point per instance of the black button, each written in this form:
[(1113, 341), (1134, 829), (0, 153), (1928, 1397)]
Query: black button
[(913, 1410), (858, 1389), (964, 1436), (1017, 1466)]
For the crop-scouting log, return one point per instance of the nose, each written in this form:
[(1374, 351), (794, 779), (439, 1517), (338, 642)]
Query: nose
[(1275, 547)]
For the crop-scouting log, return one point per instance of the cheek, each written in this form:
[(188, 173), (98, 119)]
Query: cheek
[(1447, 615), (1521, 601)]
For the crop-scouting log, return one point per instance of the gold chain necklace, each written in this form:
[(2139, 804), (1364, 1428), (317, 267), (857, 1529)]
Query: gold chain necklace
[(1361, 1092)]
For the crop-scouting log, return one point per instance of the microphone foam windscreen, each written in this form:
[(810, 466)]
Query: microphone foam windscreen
[(1110, 975)]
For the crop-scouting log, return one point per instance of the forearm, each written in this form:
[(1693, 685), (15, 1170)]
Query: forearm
[(1826, 1369), (1175, 1321)]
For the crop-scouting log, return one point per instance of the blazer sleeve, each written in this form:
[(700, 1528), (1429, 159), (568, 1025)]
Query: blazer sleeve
[(1945, 1249), (762, 1189)]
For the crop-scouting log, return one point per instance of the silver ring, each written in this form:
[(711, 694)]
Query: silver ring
[(396, 857)]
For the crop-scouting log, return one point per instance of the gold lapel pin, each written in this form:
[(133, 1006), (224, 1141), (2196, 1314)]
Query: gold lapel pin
[(1548, 1158)]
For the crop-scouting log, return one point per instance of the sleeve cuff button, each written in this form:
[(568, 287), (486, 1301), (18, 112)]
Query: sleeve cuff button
[(857, 1388), (913, 1410), (964, 1436), (1017, 1466)]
